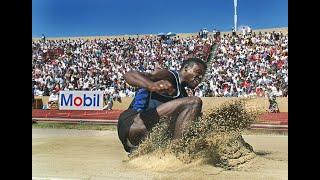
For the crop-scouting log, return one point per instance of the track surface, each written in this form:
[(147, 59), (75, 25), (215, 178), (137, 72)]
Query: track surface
[(87, 154)]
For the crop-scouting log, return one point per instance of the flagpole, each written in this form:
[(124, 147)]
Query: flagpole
[(235, 14)]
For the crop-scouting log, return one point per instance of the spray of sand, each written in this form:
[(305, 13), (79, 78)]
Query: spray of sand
[(214, 138)]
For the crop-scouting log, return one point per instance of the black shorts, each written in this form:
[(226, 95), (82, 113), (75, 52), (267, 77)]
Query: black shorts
[(149, 117)]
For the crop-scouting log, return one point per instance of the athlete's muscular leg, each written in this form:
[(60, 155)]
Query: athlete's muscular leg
[(188, 114), (137, 131), (185, 109)]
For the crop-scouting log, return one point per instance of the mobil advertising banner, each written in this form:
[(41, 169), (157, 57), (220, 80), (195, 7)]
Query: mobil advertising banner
[(80, 100)]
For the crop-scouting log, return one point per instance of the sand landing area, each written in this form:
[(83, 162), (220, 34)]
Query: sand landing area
[(90, 154)]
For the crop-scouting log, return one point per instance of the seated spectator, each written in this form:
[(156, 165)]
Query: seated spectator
[(53, 100), (32, 96), (189, 92), (198, 92), (110, 97)]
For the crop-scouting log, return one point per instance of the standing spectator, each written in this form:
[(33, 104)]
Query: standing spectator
[(205, 33), (234, 32), (273, 105), (43, 38)]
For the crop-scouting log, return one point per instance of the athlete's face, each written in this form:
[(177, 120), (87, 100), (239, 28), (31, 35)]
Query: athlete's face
[(193, 75)]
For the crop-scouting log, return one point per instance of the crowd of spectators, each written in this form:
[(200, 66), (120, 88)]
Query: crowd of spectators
[(246, 64), (100, 64)]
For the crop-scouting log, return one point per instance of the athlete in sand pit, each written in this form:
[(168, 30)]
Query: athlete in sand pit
[(161, 93)]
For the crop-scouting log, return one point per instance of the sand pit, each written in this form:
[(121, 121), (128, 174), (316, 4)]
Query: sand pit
[(215, 138), (84, 154)]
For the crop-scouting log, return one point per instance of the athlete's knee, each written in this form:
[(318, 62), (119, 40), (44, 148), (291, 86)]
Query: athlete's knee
[(196, 101), (193, 103), (138, 125), (137, 132), (141, 128)]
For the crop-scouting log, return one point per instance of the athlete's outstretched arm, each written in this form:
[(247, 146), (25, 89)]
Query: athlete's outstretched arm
[(155, 81)]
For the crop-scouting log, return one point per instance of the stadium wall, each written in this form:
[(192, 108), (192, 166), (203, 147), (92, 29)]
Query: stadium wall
[(208, 102)]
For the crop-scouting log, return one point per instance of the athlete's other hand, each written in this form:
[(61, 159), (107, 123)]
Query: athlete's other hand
[(162, 86)]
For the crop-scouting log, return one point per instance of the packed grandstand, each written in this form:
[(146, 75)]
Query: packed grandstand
[(243, 65)]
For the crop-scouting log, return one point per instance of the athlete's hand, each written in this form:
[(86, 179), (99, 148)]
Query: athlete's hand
[(162, 86)]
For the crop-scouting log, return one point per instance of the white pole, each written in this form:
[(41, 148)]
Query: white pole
[(235, 22), (235, 14)]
